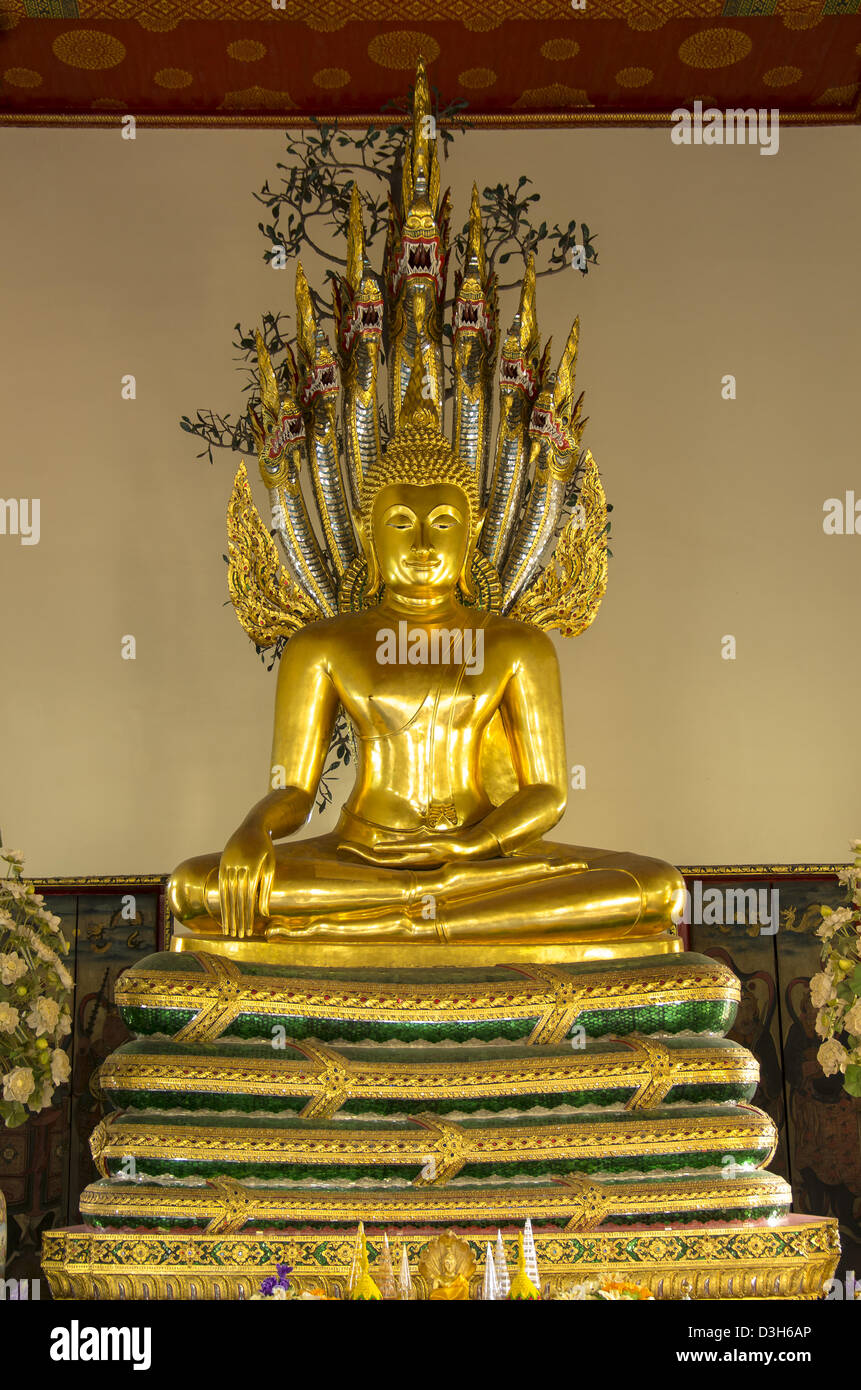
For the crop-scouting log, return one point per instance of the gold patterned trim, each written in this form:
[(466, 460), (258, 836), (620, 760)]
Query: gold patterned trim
[(539, 993), (661, 1072), (789, 1258), (546, 120), (436, 1146), (329, 15), (759, 870), (335, 1077), (567, 1204), (221, 1008)]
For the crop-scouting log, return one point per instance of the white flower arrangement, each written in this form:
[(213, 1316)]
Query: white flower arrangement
[(35, 995), (836, 990), (603, 1291)]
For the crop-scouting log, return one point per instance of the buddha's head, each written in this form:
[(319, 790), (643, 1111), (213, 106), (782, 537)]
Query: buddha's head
[(421, 514), (421, 535)]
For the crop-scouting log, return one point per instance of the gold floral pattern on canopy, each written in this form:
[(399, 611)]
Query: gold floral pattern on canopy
[(477, 77), (559, 50), (782, 77), (402, 48), (253, 98), (803, 16), (644, 20), (482, 23), (157, 23), (172, 78), (715, 48), (246, 51), (634, 77), (331, 78), (555, 95), (22, 77), (88, 48), (838, 96)]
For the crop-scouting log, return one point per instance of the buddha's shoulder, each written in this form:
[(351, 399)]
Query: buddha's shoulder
[(327, 634), (519, 639)]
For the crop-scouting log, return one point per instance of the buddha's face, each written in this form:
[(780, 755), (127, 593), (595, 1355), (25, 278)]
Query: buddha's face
[(421, 537)]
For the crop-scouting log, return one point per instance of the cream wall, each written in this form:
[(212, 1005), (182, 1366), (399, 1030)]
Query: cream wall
[(123, 257)]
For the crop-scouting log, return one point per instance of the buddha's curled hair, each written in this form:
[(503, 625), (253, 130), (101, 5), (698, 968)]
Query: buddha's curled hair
[(419, 452)]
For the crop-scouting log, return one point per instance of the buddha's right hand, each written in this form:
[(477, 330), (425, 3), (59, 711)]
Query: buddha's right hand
[(245, 876)]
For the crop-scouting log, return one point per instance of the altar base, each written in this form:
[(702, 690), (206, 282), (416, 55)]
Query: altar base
[(789, 1259), (266, 1108)]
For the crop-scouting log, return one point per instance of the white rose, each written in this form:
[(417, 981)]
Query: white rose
[(834, 921), (59, 1066), (44, 1015), (8, 1018), (18, 1084), (12, 856), (852, 1021), (64, 1025), (12, 967), (822, 990), (832, 1057), (43, 1100)]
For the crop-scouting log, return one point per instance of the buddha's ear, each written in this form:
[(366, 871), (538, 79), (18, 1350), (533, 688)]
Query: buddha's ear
[(465, 580), (367, 544)]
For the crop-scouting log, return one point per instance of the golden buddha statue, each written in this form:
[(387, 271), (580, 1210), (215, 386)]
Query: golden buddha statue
[(447, 1265), (422, 619)]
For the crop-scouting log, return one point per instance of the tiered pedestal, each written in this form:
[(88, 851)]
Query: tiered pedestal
[(265, 1109)]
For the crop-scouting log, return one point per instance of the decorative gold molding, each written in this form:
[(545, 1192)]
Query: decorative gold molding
[(759, 870), (537, 994), (549, 120), (432, 1144), (561, 1203), (331, 1077), (790, 1258)]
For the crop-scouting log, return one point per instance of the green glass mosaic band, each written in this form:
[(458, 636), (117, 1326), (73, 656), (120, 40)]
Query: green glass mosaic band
[(646, 1201), (166, 993), (724, 1138), (234, 1076)]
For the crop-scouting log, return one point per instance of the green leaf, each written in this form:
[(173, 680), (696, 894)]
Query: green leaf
[(852, 1080), (13, 1113)]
